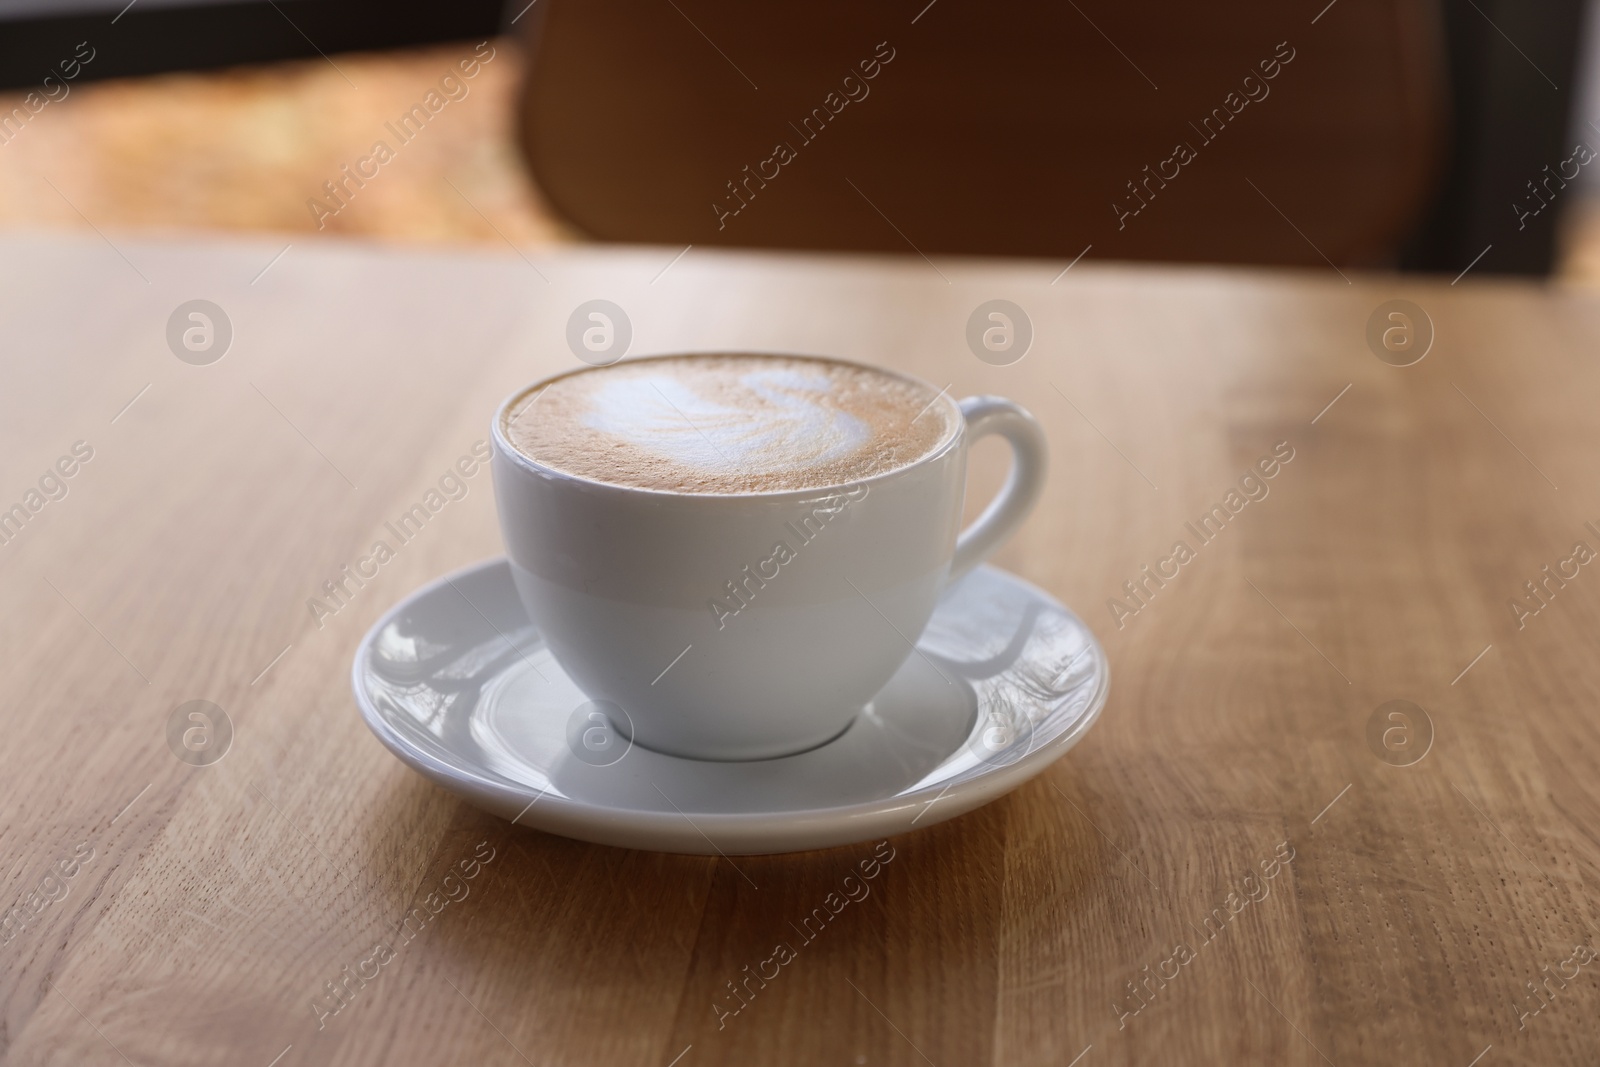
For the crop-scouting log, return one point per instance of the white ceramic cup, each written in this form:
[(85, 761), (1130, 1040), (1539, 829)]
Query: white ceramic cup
[(681, 615)]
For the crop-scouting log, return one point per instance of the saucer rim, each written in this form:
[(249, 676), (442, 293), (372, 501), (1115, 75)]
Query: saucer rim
[(616, 825)]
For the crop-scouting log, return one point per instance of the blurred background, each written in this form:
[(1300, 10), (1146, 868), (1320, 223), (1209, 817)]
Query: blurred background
[(1423, 135)]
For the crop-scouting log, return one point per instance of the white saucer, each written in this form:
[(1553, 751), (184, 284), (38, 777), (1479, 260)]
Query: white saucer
[(457, 682)]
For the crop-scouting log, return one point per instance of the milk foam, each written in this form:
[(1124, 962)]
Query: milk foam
[(728, 423), (791, 429)]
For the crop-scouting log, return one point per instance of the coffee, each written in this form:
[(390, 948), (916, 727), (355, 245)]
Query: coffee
[(729, 423)]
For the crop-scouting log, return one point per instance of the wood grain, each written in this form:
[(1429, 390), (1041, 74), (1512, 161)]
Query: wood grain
[(220, 901)]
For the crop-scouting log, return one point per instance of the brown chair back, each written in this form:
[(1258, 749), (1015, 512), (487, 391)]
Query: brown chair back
[(1245, 132)]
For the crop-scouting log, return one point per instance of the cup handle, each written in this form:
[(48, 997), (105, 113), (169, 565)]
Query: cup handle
[(992, 414)]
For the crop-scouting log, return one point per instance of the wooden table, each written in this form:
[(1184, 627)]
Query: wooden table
[(165, 913)]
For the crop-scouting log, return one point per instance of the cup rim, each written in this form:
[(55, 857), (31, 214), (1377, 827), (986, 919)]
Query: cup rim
[(503, 444)]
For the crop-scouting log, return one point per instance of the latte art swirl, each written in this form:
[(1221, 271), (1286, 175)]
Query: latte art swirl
[(728, 423), (794, 424)]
